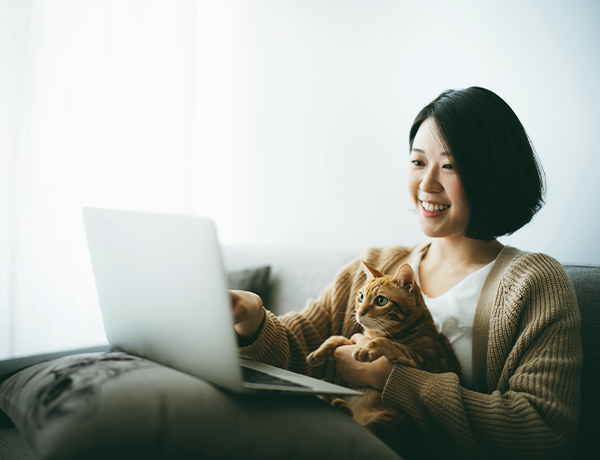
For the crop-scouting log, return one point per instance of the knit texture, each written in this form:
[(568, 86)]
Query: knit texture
[(527, 359)]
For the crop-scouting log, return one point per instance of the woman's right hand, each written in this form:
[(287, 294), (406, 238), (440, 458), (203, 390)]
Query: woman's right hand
[(248, 312)]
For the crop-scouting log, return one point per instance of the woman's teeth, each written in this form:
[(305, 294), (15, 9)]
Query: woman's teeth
[(434, 207)]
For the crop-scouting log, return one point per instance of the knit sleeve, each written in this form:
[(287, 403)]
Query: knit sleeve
[(286, 341), (533, 371)]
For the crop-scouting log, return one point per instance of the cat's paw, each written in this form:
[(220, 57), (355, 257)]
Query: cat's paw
[(367, 354), (321, 354), (342, 405), (325, 351), (316, 358)]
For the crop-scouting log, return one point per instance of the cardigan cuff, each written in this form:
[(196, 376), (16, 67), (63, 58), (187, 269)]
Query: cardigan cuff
[(267, 347), (422, 394), (405, 389)]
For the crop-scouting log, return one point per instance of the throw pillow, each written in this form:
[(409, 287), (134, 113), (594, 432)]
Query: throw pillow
[(118, 406), (253, 279)]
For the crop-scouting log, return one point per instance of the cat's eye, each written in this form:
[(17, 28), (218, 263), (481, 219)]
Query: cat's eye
[(381, 301), (361, 297)]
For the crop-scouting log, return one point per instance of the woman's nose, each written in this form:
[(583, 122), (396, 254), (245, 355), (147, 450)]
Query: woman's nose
[(430, 182)]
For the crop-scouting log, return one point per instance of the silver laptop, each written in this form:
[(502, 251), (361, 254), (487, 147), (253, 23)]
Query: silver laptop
[(163, 294)]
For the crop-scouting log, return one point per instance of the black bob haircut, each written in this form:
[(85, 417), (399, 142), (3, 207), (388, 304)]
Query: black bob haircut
[(500, 173)]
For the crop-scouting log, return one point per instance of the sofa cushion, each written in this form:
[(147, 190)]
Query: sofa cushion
[(115, 405)]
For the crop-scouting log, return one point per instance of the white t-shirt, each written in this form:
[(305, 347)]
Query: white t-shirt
[(453, 314)]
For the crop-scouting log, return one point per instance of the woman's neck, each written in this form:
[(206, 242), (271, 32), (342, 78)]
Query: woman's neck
[(462, 252), (448, 261)]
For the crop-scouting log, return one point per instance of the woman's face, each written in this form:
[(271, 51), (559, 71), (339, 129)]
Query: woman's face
[(434, 186)]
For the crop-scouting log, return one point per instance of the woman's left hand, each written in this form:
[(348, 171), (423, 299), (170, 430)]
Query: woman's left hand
[(359, 374)]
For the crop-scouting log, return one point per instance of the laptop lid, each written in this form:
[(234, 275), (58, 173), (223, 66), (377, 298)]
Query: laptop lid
[(162, 291), (163, 295)]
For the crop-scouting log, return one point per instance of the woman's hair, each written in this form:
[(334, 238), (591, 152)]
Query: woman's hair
[(500, 173)]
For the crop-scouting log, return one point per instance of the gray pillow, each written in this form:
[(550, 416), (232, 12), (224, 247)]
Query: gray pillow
[(115, 405), (252, 279)]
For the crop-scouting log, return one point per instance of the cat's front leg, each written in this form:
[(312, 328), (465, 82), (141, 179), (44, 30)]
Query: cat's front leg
[(394, 352), (370, 352), (325, 351)]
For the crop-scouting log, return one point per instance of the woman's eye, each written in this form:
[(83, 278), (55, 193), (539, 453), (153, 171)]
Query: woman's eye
[(361, 297), (381, 301), (448, 166), (417, 162)]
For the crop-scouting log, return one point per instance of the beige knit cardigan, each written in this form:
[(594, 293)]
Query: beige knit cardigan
[(526, 359)]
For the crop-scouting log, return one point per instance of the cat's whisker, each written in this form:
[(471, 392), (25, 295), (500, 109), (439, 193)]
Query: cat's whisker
[(385, 326), (353, 321)]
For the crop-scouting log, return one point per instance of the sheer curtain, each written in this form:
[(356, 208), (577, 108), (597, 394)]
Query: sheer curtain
[(98, 108)]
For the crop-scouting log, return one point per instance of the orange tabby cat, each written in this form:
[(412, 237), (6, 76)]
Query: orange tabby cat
[(394, 316)]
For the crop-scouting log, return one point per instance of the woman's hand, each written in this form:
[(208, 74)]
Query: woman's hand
[(359, 374), (248, 312)]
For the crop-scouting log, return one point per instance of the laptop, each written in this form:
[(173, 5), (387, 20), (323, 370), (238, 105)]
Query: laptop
[(162, 289)]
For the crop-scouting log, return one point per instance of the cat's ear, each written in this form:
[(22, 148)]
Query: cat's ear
[(405, 276), (370, 271)]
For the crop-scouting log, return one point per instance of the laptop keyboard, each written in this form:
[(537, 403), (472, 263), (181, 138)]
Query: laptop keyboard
[(253, 376)]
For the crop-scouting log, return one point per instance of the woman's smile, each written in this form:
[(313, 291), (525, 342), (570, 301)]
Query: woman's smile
[(433, 210)]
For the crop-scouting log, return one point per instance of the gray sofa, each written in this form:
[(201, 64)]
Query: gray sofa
[(101, 403)]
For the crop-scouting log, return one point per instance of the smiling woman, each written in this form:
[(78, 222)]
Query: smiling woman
[(510, 316)]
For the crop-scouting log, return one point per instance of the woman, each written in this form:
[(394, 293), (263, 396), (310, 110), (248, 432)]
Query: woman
[(511, 316)]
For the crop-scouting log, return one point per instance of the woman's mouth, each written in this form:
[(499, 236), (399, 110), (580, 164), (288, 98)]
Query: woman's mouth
[(433, 209)]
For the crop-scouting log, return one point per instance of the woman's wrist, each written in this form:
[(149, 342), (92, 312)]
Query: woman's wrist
[(247, 335), (381, 372)]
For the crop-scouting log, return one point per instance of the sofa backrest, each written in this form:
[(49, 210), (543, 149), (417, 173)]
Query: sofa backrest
[(296, 274)]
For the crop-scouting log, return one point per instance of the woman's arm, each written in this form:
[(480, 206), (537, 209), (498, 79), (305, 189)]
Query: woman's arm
[(286, 341)]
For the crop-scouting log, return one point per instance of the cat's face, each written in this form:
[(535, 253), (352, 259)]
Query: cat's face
[(388, 304)]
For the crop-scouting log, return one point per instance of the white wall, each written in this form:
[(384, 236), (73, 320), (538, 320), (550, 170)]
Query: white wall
[(313, 118), (285, 120)]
